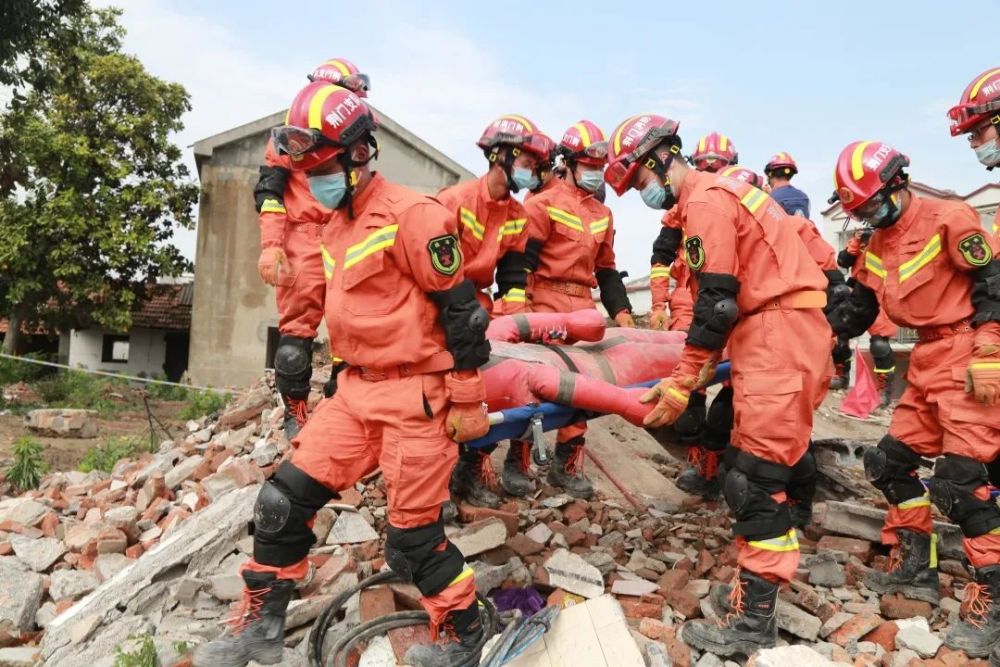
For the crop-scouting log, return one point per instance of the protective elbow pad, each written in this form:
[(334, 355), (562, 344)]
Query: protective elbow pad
[(532, 250), (464, 322), (986, 293), (270, 186), (613, 295), (665, 246), (715, 310)]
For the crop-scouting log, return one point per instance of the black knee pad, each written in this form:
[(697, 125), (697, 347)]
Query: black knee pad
[(882, 353), (802, 485), (748, 486), (690, 426), (952, 486), (293, 366), (413, 554), (891, 468), (719, 421), (284, 506)]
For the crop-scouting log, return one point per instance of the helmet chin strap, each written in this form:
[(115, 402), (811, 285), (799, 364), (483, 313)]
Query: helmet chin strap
[(662, 170), (351, 175)]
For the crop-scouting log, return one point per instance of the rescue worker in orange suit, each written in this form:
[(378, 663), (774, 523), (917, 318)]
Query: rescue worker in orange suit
[(291, 223), (760, 293), (879, 333), (704, 430), (779, 172), (932, 267), (491, 229), (570, 250), (977, 114), (393, 263)]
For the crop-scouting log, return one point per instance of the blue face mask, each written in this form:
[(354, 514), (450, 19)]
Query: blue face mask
[(654, 195), (329, 189), (988, 153), (524, 179), (590, 180)]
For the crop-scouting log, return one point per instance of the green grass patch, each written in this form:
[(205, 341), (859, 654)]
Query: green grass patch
[(111, 451), (28, 467), (143, 655), (201, 403)]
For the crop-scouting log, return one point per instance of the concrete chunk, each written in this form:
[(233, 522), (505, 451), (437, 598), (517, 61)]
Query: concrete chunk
[(20, 595), (38, 554), (480, 536), (570, 572), (71, 584), (351, 528)]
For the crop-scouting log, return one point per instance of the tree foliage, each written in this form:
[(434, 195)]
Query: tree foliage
[(93, 186)]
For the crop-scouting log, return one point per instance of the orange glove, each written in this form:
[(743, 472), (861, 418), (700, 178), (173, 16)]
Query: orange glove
[(270, 263), (658, 319), (982, 377), (468, 416), (696, 368), (624, 319)]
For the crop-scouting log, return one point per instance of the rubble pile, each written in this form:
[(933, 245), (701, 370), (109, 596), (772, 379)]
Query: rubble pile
[(92, 563)]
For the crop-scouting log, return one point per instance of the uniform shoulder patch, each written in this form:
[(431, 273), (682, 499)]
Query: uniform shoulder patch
[(975, 250), (446, 257), (695, 253)]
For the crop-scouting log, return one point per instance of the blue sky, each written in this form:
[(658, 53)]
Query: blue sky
[(807, 78)]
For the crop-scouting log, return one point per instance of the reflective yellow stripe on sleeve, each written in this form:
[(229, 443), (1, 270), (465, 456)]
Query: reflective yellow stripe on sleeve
[(787, 542), (659, 272), (328, 262), (464, 574), (514, 295), (512, 227), (598, 226), (377, 240), (753, 199), (272, 206)]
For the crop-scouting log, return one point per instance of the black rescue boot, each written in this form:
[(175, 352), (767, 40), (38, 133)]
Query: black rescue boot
[(910, 569), (843, 378), (978, 633), (566, 471), (257, 632), (474, 479), (296, 413), (701, 477), (463, 630), (751, 626), (517, 479)]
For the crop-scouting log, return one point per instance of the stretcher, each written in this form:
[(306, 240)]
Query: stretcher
[(547, 371)]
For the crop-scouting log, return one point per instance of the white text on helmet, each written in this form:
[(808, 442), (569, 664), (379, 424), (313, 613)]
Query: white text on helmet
[(875, 161), (347, 106), (507, 125), (637, 131), (990, 88)]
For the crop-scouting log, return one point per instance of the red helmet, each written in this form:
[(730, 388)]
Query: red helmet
[(516, 131), (584, 142), (781, 164), (713, 152), (743, 174), (864, 169), (344, 73), (322, 122), (631, 141), (980, 102)]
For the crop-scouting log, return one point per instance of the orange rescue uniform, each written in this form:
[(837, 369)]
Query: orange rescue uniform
[(390, 407), (296, 225), (920, 275), (488, 229), (780, 345)]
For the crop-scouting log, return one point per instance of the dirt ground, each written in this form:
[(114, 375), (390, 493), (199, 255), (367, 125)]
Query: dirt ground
[(66, 453)]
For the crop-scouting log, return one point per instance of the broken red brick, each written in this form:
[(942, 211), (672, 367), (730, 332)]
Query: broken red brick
[(897, 606), (673, 580), (683, 603), (471, 514), (860, 549), (884, 635), (855, 628), (524, 546), (575, 511), (653, 628)]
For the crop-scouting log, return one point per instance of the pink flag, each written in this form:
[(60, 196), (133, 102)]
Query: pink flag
[(863, 396)]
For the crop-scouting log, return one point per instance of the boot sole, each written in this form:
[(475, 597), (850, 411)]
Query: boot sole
[(731, 648), (517, 493), (971, 651), (907, 591), (265, 657)]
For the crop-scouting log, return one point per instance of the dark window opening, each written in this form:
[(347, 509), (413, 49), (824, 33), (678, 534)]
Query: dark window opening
[(114, 349)]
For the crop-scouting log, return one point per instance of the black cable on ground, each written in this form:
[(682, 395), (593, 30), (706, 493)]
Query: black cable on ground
[(342, 648)]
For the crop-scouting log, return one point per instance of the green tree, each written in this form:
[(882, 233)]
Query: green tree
[(25, 27), (99, 189)]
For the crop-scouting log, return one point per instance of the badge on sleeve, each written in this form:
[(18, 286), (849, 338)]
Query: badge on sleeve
[(695, 253), (975, 250), (445, 255)]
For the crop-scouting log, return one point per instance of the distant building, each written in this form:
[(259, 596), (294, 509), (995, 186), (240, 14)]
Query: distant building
[(234, 325)]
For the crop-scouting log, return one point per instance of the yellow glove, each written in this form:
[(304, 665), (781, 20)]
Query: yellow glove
[(982, 376), (658, 319), (624, 319), (468, 416), (270, 263)]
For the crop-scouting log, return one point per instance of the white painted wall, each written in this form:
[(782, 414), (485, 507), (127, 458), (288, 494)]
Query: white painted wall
[(147, 351)]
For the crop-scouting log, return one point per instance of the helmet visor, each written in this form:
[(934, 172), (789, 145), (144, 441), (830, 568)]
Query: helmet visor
[(964, 117), (298, 141)]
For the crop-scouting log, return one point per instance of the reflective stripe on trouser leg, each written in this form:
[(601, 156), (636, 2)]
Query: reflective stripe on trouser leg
[(458, 594), (913, 514), (774, 558)]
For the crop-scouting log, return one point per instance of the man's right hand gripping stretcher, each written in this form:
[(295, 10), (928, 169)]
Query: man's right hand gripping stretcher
[(468, 415)]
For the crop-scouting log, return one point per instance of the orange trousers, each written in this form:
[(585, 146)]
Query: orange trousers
[(397, 425), (936, 416), (541, 300), (781, 369), (301, 285)]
